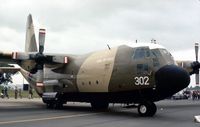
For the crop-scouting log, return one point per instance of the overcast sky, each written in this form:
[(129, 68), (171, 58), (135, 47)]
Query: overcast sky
[(81, 26)]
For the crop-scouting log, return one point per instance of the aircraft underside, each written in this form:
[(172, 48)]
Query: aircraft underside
[(145, 99), (135, 96)]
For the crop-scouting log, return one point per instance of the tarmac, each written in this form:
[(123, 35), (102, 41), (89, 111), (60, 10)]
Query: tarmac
[(33, 113)]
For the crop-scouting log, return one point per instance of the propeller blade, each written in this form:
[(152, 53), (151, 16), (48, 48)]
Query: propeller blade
[(39, 78), (196, 50), (197, 57), (42, 33), (197, 79)]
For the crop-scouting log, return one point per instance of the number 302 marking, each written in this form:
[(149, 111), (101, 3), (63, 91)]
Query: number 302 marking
[(142, 80)]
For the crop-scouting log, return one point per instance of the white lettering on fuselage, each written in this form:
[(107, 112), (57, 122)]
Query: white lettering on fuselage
[(142, 80)]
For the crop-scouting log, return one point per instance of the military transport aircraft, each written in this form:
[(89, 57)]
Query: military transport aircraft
[(142, 73)]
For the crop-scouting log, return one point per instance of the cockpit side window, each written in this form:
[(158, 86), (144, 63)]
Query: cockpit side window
[(156, 53), (165, 52), (141, 53)]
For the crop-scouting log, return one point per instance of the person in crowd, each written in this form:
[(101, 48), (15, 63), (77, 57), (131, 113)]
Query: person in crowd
[(6, 92), (16, 92), (20, 93), (30, 93)]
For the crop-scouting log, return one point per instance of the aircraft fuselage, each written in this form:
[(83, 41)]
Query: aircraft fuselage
[(122, 74)]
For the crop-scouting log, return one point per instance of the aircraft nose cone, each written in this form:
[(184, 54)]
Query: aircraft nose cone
[(170, 79)]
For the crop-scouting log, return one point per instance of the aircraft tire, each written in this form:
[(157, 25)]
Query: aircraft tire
[(49, 105), (147, 109), (54, 105), (59, 106), (99, 105)]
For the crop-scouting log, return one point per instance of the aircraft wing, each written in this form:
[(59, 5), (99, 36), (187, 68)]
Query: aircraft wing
[(9, 69), (16, 57), (6, 57), (186, 64), (58, 58)]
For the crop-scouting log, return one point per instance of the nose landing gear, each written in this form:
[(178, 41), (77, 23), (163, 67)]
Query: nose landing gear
[(146, 109)]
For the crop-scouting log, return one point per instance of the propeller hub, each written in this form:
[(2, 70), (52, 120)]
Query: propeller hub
[(195, 66), (40, 58)]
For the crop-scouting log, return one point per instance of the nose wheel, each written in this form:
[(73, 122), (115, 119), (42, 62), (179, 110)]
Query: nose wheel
[(147, 109), (54, 105)]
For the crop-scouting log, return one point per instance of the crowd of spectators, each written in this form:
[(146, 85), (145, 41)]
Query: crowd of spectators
[(187, 94)]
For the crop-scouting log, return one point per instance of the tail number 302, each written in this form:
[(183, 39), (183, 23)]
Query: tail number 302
[(142, 80)]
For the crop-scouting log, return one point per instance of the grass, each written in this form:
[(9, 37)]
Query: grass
[(25, 94)]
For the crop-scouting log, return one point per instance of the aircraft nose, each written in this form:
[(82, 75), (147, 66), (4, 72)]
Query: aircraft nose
[(170, 79)]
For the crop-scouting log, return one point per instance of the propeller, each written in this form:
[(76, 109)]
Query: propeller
[(42, 33), (196, 64), (196, 54), (40, 59), (31, 53)]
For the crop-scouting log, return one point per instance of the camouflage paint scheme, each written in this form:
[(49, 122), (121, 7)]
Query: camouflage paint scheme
[(98, 73)]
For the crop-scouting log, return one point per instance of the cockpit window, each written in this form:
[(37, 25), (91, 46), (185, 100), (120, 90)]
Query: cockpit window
[(156, 53), (156, 56), (165, 52), (141, 53)]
